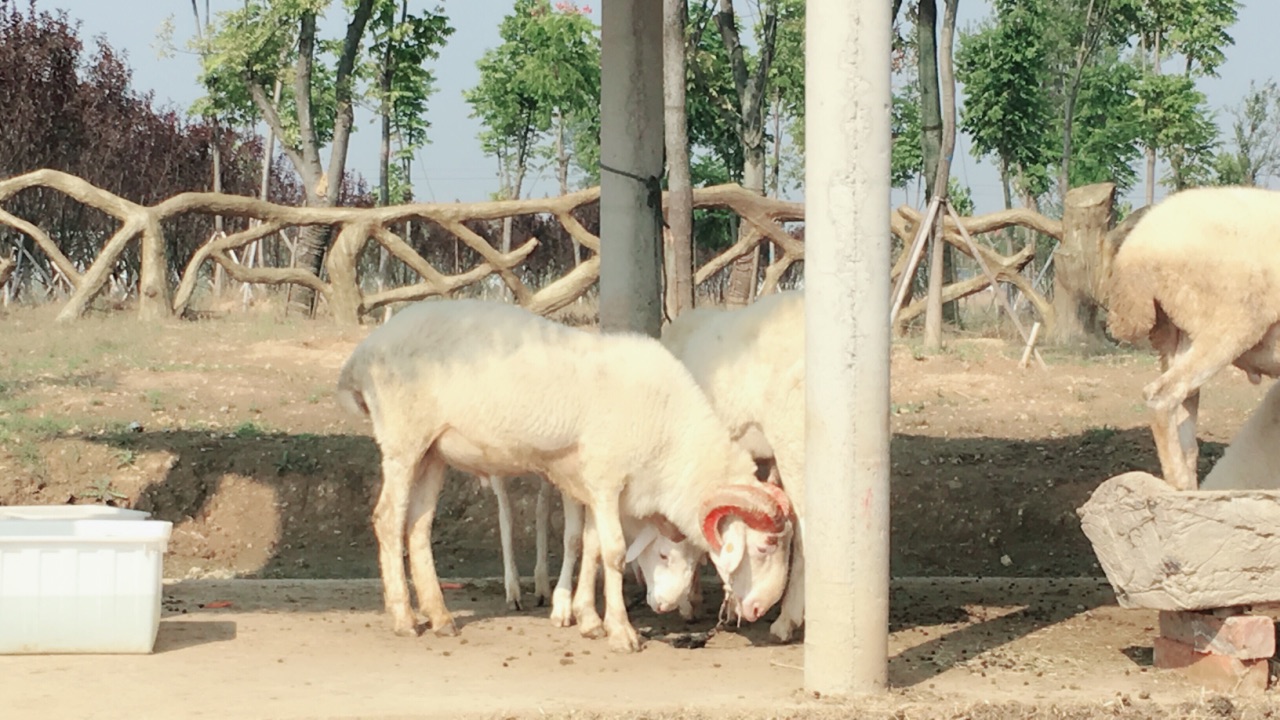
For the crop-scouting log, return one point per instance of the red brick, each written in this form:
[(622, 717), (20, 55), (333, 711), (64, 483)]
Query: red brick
[(1215, 672), (1247, 637)]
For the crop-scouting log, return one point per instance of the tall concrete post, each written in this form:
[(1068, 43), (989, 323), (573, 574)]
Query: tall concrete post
[(847, 98), (631, 166)]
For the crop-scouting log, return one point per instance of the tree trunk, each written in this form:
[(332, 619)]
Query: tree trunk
[(932, 137), (1079, 261), (1151, 148), (562, 174), (751, 90), (384, 154), (679, 235), (947, 94)]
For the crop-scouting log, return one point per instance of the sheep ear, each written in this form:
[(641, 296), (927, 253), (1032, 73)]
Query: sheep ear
[(644, 539), (733, 549)]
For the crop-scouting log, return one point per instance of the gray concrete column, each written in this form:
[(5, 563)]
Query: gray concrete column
[(847, 139), (631, 166)]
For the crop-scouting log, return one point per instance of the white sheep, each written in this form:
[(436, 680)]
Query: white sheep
[(666, 567), (611, 419), (1199, 276), (648, 559), (1252, 459), (750, 363)]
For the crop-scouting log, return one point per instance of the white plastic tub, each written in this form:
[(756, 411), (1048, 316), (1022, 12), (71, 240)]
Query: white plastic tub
[(80, 579)]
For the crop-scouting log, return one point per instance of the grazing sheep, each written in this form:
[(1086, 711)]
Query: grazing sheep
[(612, 420), (1252, 460), (664, 566), (750, 363), (1199, 276)]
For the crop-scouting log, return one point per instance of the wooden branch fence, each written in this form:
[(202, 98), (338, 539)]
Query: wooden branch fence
[(355, 227)]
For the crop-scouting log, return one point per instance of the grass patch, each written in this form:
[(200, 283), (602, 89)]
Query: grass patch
[(1098, 435), (249, 429)]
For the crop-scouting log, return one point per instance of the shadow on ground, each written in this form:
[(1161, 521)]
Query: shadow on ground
[(282, 505)]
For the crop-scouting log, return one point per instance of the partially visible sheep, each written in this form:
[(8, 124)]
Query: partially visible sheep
[(510, 575), (1199, 276), (1252, 460), (611, 419), (660, 562), (750, 363), (663, 563)]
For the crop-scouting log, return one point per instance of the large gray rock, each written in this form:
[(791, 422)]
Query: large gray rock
[(1194, 550)]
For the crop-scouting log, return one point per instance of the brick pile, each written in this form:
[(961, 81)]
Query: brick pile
[(1225, 650)]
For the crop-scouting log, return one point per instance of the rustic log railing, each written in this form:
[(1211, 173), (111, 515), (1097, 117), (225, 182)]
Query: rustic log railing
[(355, 227)]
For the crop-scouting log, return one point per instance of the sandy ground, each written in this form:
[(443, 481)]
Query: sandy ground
[(228, 429), (321, 649)]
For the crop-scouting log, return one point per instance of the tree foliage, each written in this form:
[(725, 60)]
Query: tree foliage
[(398, 68), (74, 109), (1255, 135), (1004, 68), (546, 68)]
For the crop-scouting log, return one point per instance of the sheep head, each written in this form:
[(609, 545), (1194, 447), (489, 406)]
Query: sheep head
[(666, 563), (749, 529)]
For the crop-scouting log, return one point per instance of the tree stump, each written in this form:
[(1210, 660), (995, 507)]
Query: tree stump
[(1079, 262)]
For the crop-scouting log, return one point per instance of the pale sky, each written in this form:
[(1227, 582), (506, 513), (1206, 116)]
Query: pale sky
[(453, 167)]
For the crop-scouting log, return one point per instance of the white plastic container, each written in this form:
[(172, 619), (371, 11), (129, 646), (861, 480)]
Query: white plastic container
[(80, 579)]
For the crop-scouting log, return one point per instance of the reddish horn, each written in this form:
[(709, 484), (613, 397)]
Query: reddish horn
[(780, 496), (759, 508)]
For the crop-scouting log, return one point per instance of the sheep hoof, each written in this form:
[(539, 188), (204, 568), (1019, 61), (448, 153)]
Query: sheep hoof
[(591, 627), (405, 626), (447, 629), (514, 604), (540, 599), (783, 629), (624, 639)]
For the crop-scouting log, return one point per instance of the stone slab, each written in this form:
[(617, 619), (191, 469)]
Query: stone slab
[(1195, 550)]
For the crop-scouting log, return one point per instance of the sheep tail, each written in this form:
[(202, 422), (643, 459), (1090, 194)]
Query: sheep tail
[(350, 391), (1131, 306)]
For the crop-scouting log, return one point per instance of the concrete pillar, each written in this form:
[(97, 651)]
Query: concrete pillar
[(847, 346), (631, 166)]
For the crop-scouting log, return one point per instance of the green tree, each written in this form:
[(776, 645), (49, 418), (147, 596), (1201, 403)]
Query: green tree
[(265, 41), (741, 107), (1108, 122), (545, 71), (1255, 134), (1175, 122), (402, 46), (1175, 118), (1004, 68), (907, 161)]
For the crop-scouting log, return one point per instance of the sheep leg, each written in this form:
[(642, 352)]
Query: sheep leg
[(422, 513), (584, 596), (613, 551), (1187, 415), (1174, 400), (561, 600), (510, 576), (542, 517), (791, 616), (389, 526), (691, 605)]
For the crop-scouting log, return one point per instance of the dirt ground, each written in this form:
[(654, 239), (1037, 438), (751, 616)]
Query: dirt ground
[(227, 427)]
